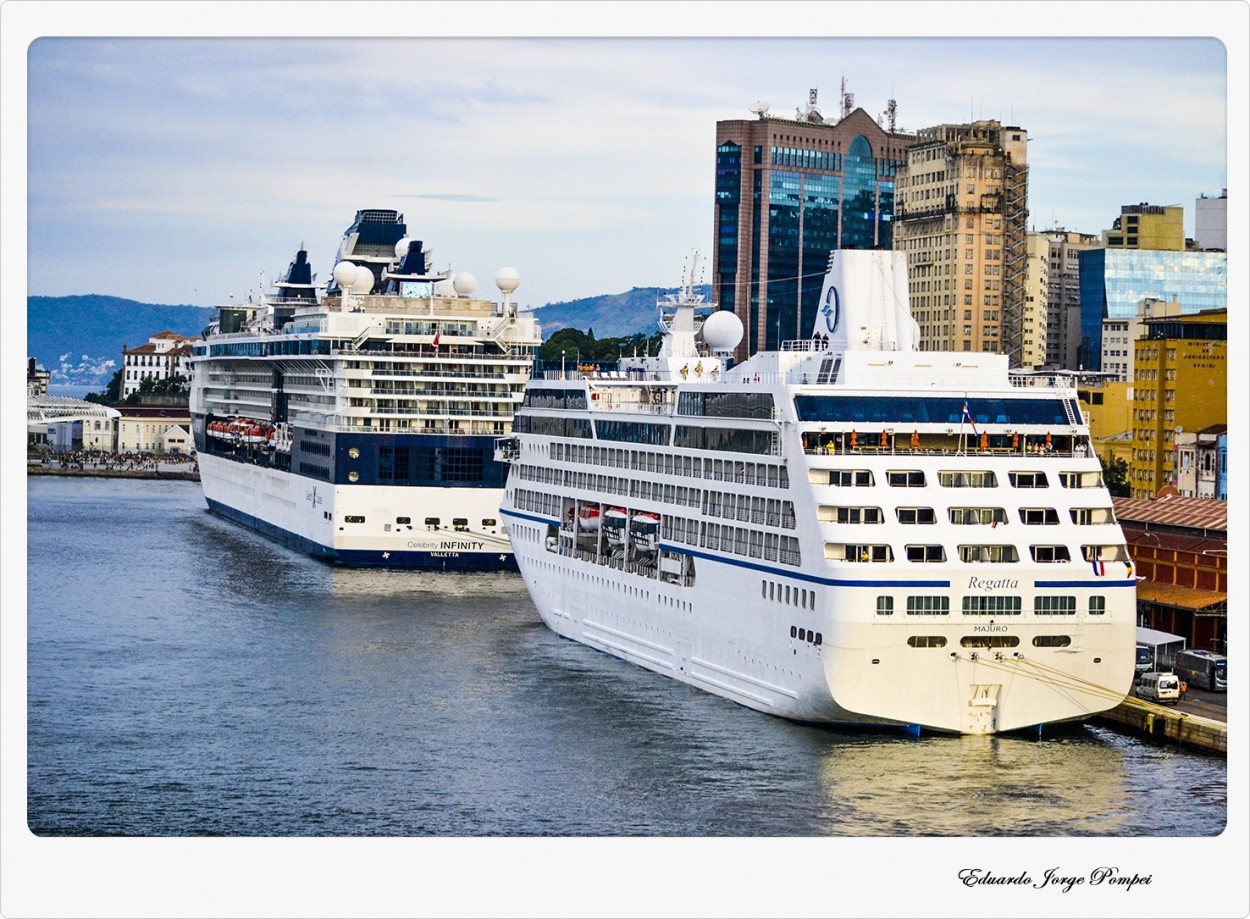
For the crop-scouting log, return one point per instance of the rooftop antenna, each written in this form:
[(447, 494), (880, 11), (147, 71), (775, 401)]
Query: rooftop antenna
[(848, 99)]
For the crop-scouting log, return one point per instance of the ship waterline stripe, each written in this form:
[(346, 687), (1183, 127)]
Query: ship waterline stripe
[(1090, 582)]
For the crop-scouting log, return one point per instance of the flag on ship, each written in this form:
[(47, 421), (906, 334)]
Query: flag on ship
[(1100, 568), (437, 334), (968, 417)]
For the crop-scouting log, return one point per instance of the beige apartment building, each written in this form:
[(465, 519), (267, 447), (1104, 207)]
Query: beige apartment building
[(1036, 302), (960, 216)]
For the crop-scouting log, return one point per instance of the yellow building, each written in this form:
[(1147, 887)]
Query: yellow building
[(960, 212), (1147, 226), (1180, 383)]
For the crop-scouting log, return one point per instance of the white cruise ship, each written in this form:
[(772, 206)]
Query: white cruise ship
[(357, 422), (848, 530)]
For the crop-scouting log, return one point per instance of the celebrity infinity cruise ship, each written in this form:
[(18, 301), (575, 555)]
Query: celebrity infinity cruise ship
[(848, 530), (357, 422)]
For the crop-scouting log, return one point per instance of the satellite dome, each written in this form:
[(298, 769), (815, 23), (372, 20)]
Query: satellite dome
[(345, 274), (507, 280), (444, 288), (401, 248), (364, 280), (722, 330), (465, 284)]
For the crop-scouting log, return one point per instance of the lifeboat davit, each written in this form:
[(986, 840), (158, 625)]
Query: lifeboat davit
[(588, 518)]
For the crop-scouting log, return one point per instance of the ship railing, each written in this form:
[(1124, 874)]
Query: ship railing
[(642, 408), (439, 411), (804, 344), (1033, 451)]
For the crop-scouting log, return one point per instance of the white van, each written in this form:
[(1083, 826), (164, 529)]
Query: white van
[(1159, 687)]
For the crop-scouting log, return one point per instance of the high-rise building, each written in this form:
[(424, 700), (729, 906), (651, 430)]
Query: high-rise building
[(1147, 226), (788, 191), (1036, 301), (960, 216), (1180, 383), (1063, 311), (1114, 281), (1211, 222)]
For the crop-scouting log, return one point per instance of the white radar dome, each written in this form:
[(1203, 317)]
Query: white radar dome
[(722, 330), (465, 284), (345, 274), (445, 288), (508, 280), (364, 280), (401, 248)]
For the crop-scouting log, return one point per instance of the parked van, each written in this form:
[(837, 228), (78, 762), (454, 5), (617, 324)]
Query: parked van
[(1159, 687)]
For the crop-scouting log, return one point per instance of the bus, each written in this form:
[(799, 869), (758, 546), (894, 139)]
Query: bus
[(1203, 668)]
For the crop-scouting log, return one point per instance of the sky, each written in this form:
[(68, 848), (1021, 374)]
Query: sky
[(178, 153), (183, 170)]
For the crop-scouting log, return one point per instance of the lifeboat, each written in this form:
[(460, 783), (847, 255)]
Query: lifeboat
[(614, 522), (644, 531), (588, 518)]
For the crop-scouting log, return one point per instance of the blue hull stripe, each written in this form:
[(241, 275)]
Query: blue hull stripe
[(367, 558), (546, 520), (1088, 582)]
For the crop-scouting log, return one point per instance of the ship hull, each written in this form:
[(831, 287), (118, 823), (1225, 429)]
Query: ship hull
[(721, 636), (310, 516)]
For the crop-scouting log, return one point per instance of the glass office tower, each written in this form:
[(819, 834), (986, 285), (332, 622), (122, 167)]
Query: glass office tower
[(788, 191), (1115, 281)]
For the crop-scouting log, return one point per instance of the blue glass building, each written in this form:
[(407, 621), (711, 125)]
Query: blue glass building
[(1115, 281), (789, 191)]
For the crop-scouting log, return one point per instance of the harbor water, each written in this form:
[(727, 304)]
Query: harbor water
[(189, 678), (191, 684)]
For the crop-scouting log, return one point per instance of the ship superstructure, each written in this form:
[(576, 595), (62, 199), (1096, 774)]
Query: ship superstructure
[(847, 530), (356, 420)]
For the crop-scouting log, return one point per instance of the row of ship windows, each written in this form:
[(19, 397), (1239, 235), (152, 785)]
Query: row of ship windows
[(990, 641), (996, 605), (1029, 516), (774, 512), (1004, 554), (770, 475), (971, 478), (734, 540)]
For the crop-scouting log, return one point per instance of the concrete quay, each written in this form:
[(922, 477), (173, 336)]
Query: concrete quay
[(177, 471), (1163, 725)]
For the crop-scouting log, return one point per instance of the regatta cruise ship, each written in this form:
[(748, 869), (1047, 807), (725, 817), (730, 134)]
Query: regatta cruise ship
[(848, 530), (357, 422)]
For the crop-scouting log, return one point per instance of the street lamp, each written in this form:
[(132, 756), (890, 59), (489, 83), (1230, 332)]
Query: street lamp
[(562, 352)]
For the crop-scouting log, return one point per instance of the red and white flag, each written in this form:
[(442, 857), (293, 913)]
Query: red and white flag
[(437, 333)]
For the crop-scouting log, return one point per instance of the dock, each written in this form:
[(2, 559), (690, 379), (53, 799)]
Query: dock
[(1167, 725)]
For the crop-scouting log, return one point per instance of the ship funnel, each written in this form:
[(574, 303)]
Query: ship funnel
[(864, 303)]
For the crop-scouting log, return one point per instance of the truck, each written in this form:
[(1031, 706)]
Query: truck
[(1156, 651)]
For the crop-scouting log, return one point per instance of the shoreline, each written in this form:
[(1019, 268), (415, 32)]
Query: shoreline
[(178, 475)]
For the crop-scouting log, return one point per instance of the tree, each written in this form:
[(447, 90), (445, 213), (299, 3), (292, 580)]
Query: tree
[(111, 394), (1115, 475)]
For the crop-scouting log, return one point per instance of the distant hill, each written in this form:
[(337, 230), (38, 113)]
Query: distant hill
[(610, 315), (80, 338)]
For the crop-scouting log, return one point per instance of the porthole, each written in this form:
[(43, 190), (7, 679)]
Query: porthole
[(354, 453), (353, 476)]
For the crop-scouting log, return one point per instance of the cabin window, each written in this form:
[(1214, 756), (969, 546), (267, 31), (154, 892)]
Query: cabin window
[(1097, 606), (1039, 516), (353, 518), (928, 606), (926, 554), (1047, 554), (989, 641), (1092, 516), (1051, 641), (973, 478), (1027, 479), (905, 478), (992, 554), (851, 478), (993, 605), (927, 641), (1081, 479), (1105, 553), (1054, 606), (916, 515), (969, 516), (885, 606)]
